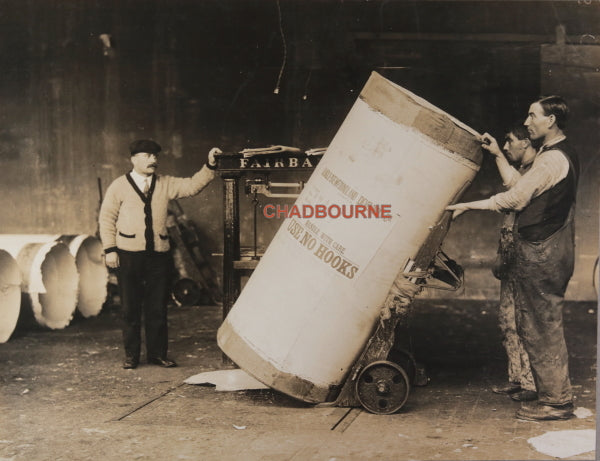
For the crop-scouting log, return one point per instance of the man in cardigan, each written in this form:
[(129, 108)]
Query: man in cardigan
[(544, 198), (134, 236)]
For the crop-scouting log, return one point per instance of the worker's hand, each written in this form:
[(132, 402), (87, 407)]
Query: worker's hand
[(111, 260), (489, 143), (457, 209), (211, 156)]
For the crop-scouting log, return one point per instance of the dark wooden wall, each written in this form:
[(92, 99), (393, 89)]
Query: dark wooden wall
[(196, 73)]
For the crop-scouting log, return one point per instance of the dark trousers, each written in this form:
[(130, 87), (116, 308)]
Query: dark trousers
[(144, 281), (542, 272)]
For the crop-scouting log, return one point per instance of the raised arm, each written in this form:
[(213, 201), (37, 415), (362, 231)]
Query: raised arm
[(508, 173)]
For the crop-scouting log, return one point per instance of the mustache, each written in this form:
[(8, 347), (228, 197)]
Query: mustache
[(150, 165)]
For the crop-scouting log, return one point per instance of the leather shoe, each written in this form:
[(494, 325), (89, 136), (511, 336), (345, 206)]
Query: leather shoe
[(542, 412), (524, 396), (509, 388), (166, 363), (130, 363)]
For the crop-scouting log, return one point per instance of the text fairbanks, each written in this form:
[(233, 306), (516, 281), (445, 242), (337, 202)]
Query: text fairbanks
[(327, 211)]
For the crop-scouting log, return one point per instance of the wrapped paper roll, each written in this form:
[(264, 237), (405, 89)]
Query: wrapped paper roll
[(10, 295), (310, 306)]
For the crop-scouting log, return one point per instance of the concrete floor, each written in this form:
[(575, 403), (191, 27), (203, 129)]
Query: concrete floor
[(64, 396)]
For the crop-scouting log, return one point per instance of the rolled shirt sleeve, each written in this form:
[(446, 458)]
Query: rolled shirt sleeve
[(547, 170), (512, 176)]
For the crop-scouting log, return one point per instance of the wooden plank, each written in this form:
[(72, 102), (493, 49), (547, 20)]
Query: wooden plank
[(499, 37), (572, 55), (245, 264)]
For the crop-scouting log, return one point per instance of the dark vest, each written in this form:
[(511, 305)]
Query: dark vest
[(548, 212)]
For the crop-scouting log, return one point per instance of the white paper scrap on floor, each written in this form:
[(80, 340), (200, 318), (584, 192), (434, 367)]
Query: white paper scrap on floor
[(227, 380), (564, 444)]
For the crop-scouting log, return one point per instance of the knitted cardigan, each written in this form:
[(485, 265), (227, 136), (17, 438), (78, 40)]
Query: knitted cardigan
[(131, 221)]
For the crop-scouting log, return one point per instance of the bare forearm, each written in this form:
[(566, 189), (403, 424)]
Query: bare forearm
[(459, 208)]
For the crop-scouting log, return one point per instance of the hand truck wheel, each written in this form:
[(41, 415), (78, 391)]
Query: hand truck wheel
[(186, 292), (382, 387)]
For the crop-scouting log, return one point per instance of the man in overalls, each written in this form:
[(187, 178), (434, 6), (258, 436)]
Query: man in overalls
[(544, 200), (518, 151)]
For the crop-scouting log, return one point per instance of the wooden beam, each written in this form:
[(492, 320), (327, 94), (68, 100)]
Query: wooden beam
[(420, 36)]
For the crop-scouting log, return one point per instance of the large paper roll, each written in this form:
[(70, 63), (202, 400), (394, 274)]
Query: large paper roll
[(310, 306)]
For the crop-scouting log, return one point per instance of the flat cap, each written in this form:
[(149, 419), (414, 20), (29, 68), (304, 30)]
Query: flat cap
[(144, 145)]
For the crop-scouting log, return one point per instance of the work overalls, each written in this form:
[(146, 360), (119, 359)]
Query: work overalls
[(519, 369), (541, 274)]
